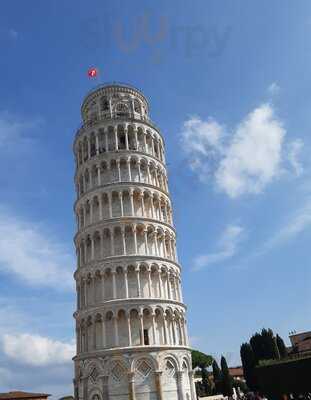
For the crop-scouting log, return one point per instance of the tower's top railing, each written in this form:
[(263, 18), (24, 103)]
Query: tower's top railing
[(113, 83)]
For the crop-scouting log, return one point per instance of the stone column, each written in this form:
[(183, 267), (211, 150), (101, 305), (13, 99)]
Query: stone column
[(138, 283), (116, 333), (145, 142), (103, 287), (149, 283), (92, 249), (98, 176), (160, 283), (152, 207), (85, 397), (126, 139), (119, 170), (109, 195), (168, 286), (101, 244), (115, 129), (112, 241), (105, 380), (153, 329), (166, 333), (135, 239), (114, 286), (132, 202), (142, 204), (164, 246), (192, 386), (126, 285), (180, 385), (131, 378), (146, 241), (106, 140), (123, 241), (148, 174), (129, 331), (136, 138), (141, 317), (128, 162), (97, 143), (158, 384), (100, 205), (156, 243), (103, 332), (121, 203)]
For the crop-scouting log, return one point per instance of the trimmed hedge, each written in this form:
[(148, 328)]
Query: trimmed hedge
[(288, 376)]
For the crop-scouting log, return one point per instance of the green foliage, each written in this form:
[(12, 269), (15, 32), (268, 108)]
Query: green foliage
[(270, 347), (217, 377), (249, 362), (200, 360), (290, 376), (257, 345), (263, 351), (281, 346), (264, 345), (226, 381)]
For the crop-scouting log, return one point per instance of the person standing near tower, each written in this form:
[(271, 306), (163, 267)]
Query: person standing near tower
[(131, 330)]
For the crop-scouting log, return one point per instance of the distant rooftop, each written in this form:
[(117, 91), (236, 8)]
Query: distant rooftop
[(22, 395)]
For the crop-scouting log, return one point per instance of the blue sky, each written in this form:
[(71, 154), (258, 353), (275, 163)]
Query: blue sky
[(229, 85)]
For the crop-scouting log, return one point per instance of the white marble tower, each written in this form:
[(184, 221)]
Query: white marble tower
[(131, 330)]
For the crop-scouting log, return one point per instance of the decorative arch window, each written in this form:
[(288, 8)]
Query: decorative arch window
[(104, 104), (137, 107), (122, 109)]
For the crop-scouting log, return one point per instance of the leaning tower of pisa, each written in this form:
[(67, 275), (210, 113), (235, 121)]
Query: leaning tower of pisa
[(131, 329)]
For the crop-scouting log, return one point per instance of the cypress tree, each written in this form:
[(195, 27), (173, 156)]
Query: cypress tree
[(270, 347), (217, 377), (256, 342), (248, 359), (281, 346), (226, 378)]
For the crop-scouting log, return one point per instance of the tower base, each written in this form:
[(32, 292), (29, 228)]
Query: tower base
[(135, 374)]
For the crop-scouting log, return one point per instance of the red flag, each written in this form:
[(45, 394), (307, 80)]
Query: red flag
[(92, 72)]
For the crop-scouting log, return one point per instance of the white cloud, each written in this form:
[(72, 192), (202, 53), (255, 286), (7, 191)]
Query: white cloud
[(201, 140), (13, 133), (294, 149), (253, 158), (248, 161), (32, 255), (37, 350), (227, 248), (298, 223), (274, 88)]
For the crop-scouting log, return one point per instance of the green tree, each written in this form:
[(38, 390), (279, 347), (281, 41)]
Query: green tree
[(201, 360), (226, 381), (270, 348), (258, 347), (249, 362), (206, 383), (217, 377), (281, 346)]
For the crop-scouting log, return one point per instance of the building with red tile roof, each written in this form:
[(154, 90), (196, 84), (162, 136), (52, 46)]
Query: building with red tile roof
[(23, 395)]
